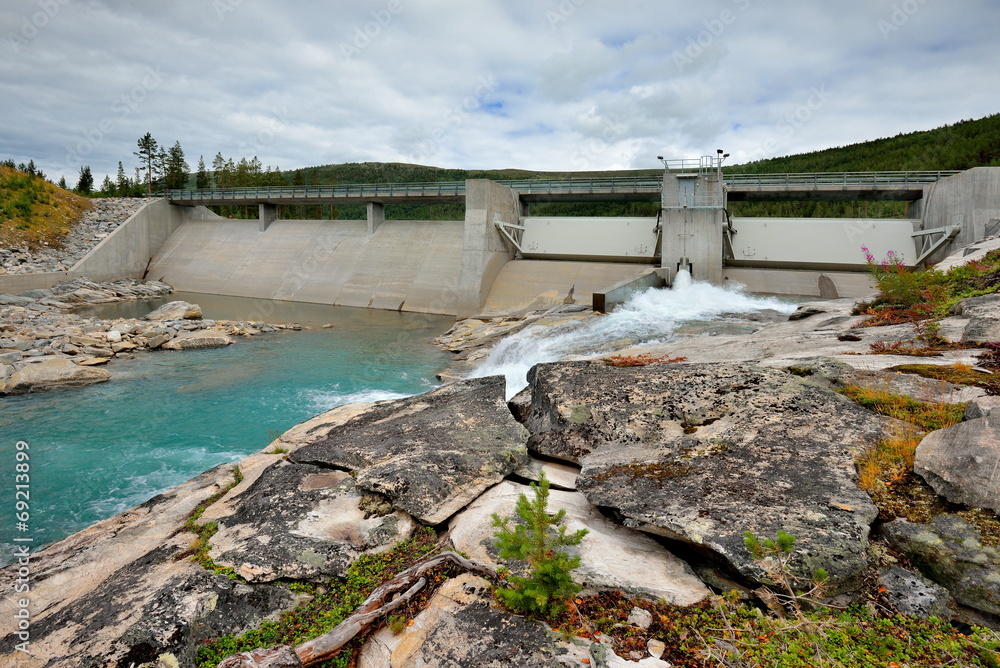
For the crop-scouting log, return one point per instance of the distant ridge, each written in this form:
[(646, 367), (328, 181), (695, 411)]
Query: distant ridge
[(962, 145)]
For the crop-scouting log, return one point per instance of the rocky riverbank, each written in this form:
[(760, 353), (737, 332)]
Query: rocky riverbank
[(667, 463), (104, 217), (44, 345)]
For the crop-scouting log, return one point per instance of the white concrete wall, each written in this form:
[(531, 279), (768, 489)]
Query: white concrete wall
[(528, 285), (594, 239), (122, 254), (820, 243), (403, 265), (127, 251)]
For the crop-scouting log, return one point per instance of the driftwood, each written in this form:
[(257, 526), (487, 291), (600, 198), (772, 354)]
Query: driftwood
[(324, 647)]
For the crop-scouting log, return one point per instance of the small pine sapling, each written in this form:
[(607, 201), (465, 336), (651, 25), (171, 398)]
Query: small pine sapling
[(775, 556), (537, 539)]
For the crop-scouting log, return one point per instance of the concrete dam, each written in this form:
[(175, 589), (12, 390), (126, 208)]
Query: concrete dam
[(500, 259)]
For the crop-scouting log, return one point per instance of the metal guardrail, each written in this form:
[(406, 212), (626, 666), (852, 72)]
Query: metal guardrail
[(611, 185), (628, 184), (838, 178), (431, 189)]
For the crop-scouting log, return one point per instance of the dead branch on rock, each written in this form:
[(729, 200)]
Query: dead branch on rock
[(327, 645)]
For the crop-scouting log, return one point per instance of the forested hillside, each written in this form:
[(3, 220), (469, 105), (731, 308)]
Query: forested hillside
[(971, 143), (966, 144)]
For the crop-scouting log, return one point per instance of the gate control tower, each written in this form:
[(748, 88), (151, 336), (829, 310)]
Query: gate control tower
[(693, 217)]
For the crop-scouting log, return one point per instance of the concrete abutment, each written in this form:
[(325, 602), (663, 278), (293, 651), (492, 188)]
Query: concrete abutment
[(484, 250)]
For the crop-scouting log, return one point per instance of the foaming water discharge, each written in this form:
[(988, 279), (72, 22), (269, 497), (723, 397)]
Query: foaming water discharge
[(649, 317)]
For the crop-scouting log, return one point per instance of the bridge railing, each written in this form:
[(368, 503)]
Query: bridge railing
[(610, 185), (430, 189), (874, 179), (628, 184)]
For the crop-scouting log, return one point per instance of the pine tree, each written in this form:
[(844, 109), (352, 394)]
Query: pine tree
[(85, 184), (175, 173), (107, 187), (148, 154), (537, 541), (202, 180), (62, 183), (123, 186)]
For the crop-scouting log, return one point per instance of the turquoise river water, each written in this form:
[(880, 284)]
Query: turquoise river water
[(167, 416)]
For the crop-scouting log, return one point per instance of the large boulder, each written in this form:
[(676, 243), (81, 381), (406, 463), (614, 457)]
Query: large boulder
[(53, 373), (701, 453), (198, 339), (912, 594), (178, 310), (431, 454), (962, 462), (984, 318), (303, 522), (611, 556), (950, 552)]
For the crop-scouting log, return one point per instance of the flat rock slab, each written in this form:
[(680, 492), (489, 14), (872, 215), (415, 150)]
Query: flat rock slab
[(303, 522), (949, 551), (432, 454), (962, 462), (52, 374), (194, 340), (704, 452), (178, 310), (120, 593), (611, 556)]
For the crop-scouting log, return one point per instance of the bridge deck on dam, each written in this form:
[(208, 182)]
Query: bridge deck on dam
[(905, 186), (412, 266)]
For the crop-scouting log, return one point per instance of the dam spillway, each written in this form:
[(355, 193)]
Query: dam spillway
[(402, 266)]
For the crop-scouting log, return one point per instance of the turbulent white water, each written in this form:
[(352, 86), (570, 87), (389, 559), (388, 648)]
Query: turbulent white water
[(649, 317)]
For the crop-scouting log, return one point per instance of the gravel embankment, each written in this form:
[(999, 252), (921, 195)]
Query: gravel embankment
[(96, 224)]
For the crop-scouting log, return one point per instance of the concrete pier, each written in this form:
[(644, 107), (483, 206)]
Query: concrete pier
[(268, 213), (376, 216)]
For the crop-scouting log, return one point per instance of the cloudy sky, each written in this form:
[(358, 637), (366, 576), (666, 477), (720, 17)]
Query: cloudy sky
[(535, 84)]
